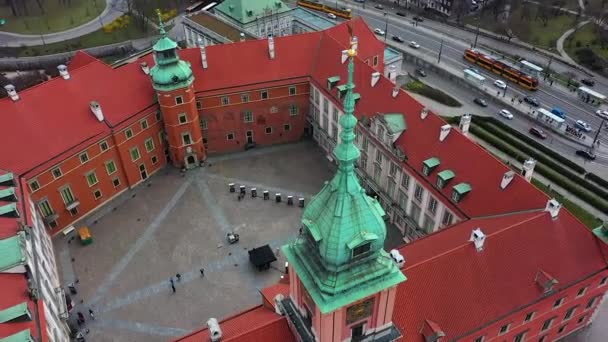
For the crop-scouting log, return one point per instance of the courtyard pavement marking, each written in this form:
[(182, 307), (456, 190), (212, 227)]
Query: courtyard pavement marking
[(253, 153), (261, 187), (140, 327), (138, 245), (238, 256), (216, 211)]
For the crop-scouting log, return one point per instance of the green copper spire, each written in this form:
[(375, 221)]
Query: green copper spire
[(340, 257), (170, 72)]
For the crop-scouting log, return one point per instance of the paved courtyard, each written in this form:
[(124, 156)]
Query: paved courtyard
[(178, 224)]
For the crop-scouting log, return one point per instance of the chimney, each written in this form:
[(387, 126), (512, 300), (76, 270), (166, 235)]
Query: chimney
[(344, 56), (278, 304), (145, 68), (465, 123), (506, 179), (392, 74), (96, 109), (395, 91), (10, 89), (355, 42), (424, 113), (528, 170), (63, 71), (242, 37), (203, 54), (215, 333), (445, 130), (375, 78), (478, 238), (545, 281), (553, 207), (271, 47)]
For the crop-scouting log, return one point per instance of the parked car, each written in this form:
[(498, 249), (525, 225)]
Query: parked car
[(480, 102), (588, 82), (538, 132), (586, 154), (506, 114), (380, 7), (331, 16), (418, 19), (580, 124), (602, 114), (414, 45), (500, 84), (532, 100), (401, 14), (398, 39), (421, 72), (379, 32)]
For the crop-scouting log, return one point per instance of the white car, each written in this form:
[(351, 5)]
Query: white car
[(379, 32), (331, 16), (580, 124), (602, 114), (414, 45), (506, 114), (500, 84)]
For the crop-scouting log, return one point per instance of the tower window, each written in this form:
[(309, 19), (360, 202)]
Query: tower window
[(268, 130), (264, 94), (292, 91), (179, 100), (183, 118), (225, 100), (186, 138), (199, 106), (157, 115), (203, 124), (361, 250)]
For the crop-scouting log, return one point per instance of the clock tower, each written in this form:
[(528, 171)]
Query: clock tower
[(342, 282), (173, 81)]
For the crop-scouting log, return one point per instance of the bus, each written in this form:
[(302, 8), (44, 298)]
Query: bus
[(500, 68), (318, 6)]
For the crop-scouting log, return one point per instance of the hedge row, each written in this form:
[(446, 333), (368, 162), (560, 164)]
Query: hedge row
[(597, 179), (570, 186), (532, 142), (419, 87), (548, 162)]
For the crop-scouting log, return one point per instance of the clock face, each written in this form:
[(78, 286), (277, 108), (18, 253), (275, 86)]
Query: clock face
[(359, 311)]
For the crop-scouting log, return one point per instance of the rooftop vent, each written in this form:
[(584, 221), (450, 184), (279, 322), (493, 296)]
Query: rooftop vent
[(242, 37), (431, 331), (375, 78), (424, 113), (506, 179), (278, 306), (145, 68), (545, 281), (203, 53), (478, 238), (465, 123), (271, 47), (215, 333), (392, 74), (397, 258), (63, 71), (553, 207), (10, 90), (528, 169), (344, 56), (445, 130), (395, 91), (96, 109)]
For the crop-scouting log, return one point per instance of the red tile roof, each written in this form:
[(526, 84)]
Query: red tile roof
[(452, 284), (81, 58), (254, 325), (270, 292)]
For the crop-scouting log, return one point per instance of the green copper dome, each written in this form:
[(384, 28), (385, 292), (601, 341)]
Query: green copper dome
[(340, 257), (169, 72)]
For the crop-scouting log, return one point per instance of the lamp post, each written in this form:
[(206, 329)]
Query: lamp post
[(476, 34), (440, 50), (597, 135), (385, 26)]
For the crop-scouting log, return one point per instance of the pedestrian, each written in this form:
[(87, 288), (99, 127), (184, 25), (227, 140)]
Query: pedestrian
[(92, 314), (81, 317), (171, 280), (178, 276), (202, 272), (172, 287)]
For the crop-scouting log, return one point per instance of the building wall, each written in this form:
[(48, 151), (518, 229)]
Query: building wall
[(395, 185), (545, 309), (225, 118)]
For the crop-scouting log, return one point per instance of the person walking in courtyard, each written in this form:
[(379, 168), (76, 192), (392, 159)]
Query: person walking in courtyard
[(202, 272), (172, 284), (92, 314), (179, 277), (81, 318)]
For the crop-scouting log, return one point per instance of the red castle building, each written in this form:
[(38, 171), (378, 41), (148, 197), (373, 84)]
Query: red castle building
[(511, 264)]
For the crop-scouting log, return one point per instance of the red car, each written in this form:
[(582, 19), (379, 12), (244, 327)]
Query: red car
[(538, 132)]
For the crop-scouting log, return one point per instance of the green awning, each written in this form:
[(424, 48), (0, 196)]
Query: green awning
[(462, 188), (341, 88), (361, 238), (431, 162), (446, 175), (22, 336), (8, 194), (9, 210), (19, 312), (333, 79), (12, 251), (7, 179), (357, 96)]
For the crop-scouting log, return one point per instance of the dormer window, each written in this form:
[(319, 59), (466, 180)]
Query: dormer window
[(357, 97), (361, 250), (429, 165), (332, 82), (459, 191), (361, 244), (381, 133), (341, 90), (444, 177)]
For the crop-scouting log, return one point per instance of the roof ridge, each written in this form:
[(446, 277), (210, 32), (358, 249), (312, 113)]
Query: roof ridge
[(466, 242)]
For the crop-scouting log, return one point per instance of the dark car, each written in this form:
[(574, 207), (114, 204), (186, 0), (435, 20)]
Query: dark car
[(480, 102), (398, 39), (538, 132), (587, 81), (378, 6), (586, 154), (421, 72), (419, 19), (532, 100), (401, 14)]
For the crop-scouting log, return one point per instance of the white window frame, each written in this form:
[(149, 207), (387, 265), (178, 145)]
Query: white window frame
[(108, 163), (182, 116), (89, 181), (146, 144), (179, 100), (266, 130), (128, 133), (58, 168), (144, 124), (100, 194), (248, 116), (131, 153), (294, 92), (184, 134), (101, 146)]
